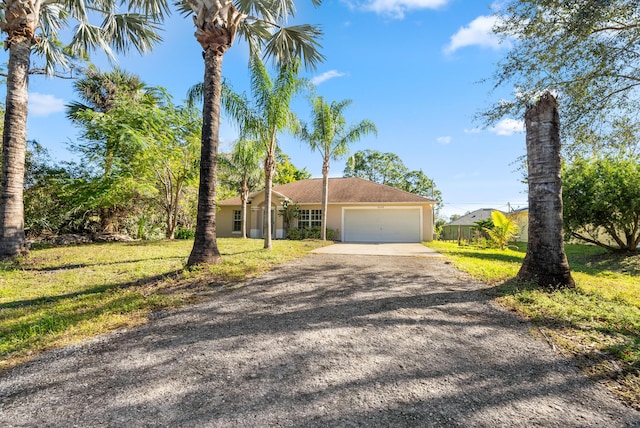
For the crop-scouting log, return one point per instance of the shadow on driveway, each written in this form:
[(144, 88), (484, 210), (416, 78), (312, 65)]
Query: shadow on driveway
[(324, 341)]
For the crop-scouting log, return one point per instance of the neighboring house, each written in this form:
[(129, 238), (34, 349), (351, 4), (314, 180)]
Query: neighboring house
[(465, 227), (521, 218), (359, 210)]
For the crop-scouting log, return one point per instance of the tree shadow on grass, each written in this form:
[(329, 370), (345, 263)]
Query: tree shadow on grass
[(615, 361), (94, 290)]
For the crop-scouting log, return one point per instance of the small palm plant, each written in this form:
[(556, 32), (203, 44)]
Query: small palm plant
[(504, 230)]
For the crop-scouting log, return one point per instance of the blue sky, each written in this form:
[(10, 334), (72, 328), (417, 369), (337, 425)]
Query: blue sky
[(412, 67)]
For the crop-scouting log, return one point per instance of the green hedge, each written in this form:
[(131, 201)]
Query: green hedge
[(311, 233)]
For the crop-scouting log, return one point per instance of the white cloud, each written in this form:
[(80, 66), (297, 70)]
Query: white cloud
[(444, 140), (507, 127), (473, 131), (478, 33), (44, 104), (397, 8), (326, 76)]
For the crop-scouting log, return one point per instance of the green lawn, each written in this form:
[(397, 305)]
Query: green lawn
[(597, 323), (61, 295)]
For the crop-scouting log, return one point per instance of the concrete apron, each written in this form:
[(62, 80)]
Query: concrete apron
[(379, 249)]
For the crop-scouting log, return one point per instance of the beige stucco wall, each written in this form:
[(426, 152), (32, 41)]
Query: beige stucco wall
[(334, 218), (224, 222)]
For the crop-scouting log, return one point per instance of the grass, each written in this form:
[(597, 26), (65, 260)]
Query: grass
[(597, 323), (63, 295)]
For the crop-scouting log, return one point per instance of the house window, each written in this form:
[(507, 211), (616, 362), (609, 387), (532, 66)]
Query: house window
[(237, 221), (309, 218)]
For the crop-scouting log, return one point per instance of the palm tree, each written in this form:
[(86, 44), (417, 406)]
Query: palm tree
[(269, 114), (217, 23), (501, 229), (242, 171), (136, 28), (545, 262), (331, 137)]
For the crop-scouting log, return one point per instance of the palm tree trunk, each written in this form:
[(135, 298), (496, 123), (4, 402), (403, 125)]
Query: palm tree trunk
[(205, 247), (14, 139), (545, 262), (243, 212), (269, 168), (325, 196)]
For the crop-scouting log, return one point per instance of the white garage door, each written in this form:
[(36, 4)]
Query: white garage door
[(382, 225)]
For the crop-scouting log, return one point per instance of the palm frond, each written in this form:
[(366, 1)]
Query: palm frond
[(195, 94), (51, 50), (86, 38), (238, 108), (261, 83), (74, 110), (262, 8), (255, 33), (52, 18), (290, 43), (183, 7), (123, 31), (156, 10)]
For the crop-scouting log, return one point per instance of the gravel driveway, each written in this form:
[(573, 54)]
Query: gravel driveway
[(327, 341)]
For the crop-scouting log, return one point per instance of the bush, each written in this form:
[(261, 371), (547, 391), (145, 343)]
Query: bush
[(311, 233), (182, 233)]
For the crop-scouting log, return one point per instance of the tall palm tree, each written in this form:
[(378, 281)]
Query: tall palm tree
[(20, 20), (217, 23), (242, 171), (545, 262), (269, 115), (331, 137)]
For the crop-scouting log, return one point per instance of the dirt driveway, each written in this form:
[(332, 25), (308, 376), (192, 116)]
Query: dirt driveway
[(326, 341)]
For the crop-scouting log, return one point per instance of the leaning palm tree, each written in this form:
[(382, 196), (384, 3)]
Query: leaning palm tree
[(217, 23), (331, 137), (242, 171), (545, 262), (36, 27)]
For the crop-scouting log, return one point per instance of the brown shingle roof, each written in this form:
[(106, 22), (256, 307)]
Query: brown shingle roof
[(342, 190)]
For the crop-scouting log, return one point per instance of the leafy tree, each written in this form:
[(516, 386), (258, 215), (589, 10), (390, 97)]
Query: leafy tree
[(602, 198), (269, 115), (217, 23), (545, 262), (46, 207), (169, 157), (289, 212), (242, 171), (454, 217), (37, 27), (388, 168), (99, 93), (155, 155), (286, 171), (502, 231), (586, 50), (383, 168), (329, 135)]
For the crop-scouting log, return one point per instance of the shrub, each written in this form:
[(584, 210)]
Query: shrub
[(182, 233), (311, 233)]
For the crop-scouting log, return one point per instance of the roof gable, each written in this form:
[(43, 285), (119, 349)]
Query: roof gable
[(471, 218), (341, 190)]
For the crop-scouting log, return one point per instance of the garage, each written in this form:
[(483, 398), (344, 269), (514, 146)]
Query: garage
[(382, 224)]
